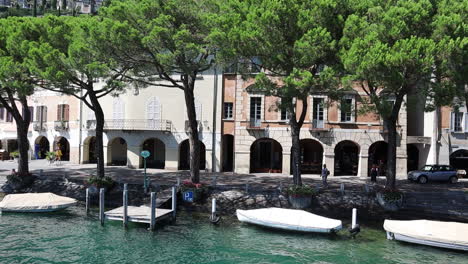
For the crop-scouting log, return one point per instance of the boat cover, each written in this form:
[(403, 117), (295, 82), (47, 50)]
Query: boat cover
[(289, 219), (30, 202), (443, 232)]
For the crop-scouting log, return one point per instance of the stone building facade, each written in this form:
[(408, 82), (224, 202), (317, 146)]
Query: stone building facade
[(348, 143)]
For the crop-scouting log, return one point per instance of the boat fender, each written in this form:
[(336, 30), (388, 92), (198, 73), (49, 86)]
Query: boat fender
[(215, 218), (354, 231)]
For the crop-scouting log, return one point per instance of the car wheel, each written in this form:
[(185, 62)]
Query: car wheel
[(422, 179), (453, 179)]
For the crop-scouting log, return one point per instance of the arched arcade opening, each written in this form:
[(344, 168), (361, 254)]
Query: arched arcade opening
[(62, 144), (459, 159), (346, 158), (89, 150), (378, 157), (412, 161), (157, 158), (311, 156), (184, 155), (41, 147), (266, 155), (117, 152), (227, 142)]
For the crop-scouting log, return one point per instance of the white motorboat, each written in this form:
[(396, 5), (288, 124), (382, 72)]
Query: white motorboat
[(451, 235), (289, 219), (35, 202)]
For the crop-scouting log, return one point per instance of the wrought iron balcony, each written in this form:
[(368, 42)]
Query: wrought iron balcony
[(135, 124), (255, 124), (61, 125), (39, 126), (318, 125), (91, 124)]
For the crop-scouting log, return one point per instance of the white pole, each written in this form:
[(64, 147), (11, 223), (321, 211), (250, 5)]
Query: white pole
[(125, 209), (87, 200), (213, 206), (153, 211), (353, 225), (101, 205), (174, 201)]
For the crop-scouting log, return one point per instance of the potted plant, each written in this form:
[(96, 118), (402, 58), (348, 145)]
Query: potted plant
[(97, 183), (390, 199), (14, 155), (192, 192), (300, 196)]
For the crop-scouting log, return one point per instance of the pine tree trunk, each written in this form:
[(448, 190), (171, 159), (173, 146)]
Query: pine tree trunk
[(192, 133), (99, 134), (296, 154), (391, 154), (23, 147)]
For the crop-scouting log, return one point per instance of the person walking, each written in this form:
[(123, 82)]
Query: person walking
[(374, 172), (325, 173)]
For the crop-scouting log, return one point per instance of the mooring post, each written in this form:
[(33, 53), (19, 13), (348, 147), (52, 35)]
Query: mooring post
[(247, 187), (174, 202), (213, 208), (125, 205), (153, 211), (366, 188), (178, 181), (342, 188), (213, 181), (87, 201), (101, 205), (354, 218)]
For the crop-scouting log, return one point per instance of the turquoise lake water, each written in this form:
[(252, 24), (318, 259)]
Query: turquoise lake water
[(73, 237)]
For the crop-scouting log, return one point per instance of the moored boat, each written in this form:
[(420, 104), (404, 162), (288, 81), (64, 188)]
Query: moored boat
[(35, 202), (289, 219), (450, 235)]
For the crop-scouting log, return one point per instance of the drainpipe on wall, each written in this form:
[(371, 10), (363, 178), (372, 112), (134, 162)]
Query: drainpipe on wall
[(213, 137)]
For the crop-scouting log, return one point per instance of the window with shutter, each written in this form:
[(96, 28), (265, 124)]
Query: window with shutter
[(66, 114), (119, 112), (153, 112), (31, 113), (59, 112), (2, 113)]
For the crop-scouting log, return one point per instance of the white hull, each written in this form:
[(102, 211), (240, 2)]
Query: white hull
[(451, 235), (400, 237), (288, 219), (37, 210)]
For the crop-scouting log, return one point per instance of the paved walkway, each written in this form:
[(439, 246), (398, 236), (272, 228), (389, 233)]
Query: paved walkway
[(167, 177)]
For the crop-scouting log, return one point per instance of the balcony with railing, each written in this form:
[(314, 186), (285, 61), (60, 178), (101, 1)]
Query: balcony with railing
[(133, 124), (39, 126), (61, 125), (318, 125), (187, 125), (255, 124)]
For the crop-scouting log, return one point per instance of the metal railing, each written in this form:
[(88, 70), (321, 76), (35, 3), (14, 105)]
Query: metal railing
[(254, 124), (187, 125), (318, 124), (61, 125), (39, 126), (133, 124)]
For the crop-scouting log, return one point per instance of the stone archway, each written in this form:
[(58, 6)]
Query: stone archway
[(459, 159), (413, 157), (346, 158), (64, 146), (311, 156), (117, 152), (157, 149), (378, 157), (41, 147), (89, 150), (184, 155), (227, 142), (266, 155)]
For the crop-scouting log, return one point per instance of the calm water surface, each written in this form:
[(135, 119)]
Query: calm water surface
[(72, 237)]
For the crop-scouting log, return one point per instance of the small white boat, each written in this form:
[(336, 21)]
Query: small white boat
[(451, 235), (35, 202), (289, 219)]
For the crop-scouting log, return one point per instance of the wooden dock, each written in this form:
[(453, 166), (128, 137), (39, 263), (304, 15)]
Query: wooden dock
[(138, 214)]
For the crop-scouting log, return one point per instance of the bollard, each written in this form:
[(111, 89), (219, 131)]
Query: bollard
[(354, 218), (213, 207), (342, 188), (213, 181), (178, 181), (281, 186), (247, 187), (366, 187), (153, 211), (125, 207), (101, 205), (174, 202), (87, 201)]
